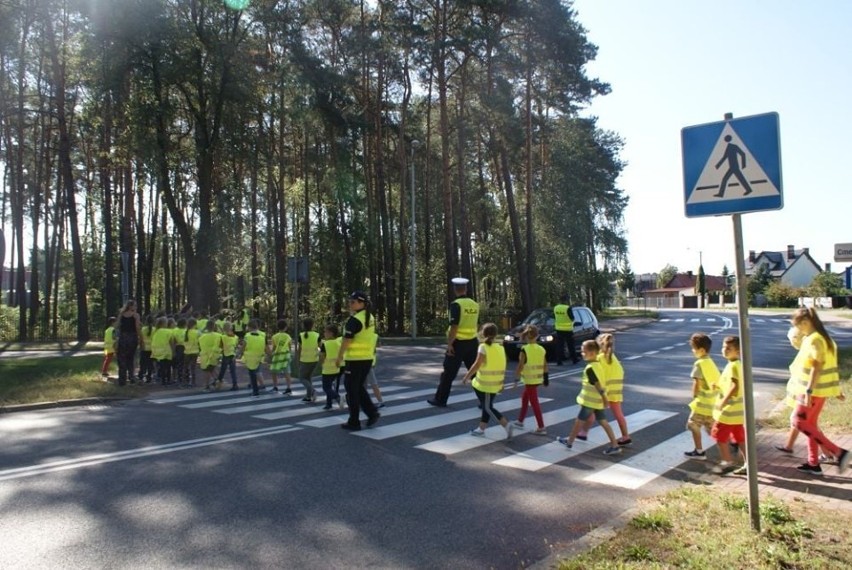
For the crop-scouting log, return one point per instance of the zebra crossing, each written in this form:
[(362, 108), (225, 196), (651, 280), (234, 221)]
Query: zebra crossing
[(406, 404), (717, 320)]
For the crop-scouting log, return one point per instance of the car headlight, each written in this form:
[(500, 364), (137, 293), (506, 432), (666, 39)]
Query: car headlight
[(546, 338), (508, 338)]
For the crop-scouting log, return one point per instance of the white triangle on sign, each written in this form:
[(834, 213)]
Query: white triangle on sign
[(725, 165)]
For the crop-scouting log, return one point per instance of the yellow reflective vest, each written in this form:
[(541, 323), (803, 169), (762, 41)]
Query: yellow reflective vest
[(332, 349), (828, 383), (309, 346), (563, 321), (161, 344), (362, 346), (469, 320), (614, 373), (705, 400), (210, 346), (589, 396), (732, 412), (533, 372), (489, 377), (255, 349)]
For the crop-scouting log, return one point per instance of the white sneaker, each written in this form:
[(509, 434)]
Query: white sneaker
[(509, 431), (517, 424), (540, 431), (478, 432)]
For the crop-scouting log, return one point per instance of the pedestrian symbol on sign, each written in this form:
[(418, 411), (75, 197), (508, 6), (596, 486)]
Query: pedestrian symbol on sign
[(732, 155)]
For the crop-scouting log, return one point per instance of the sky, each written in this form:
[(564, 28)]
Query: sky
[(679, 63)]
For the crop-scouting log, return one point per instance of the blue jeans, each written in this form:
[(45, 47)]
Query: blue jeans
[(328, 386)]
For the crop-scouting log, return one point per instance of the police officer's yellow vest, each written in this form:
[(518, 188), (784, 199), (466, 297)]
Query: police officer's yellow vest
[(190, 341), (489, 377), (732, 413), (828, 383), (563, 321), (614, 373), (469, 319), (161, 348), (254, 349), (533, 372), (332, 350), (362, 347), (589, 396), (705, 400), (229, 344), (309, 342)]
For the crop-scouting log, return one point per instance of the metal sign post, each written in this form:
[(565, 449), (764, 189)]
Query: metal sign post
[(734, 167)]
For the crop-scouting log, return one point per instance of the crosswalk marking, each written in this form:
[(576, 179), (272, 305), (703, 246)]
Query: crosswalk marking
[(429, 422), (466, 442), (695, 320), (543, 456), (313, 409), (644, 467), (296, 400), (329, 421)]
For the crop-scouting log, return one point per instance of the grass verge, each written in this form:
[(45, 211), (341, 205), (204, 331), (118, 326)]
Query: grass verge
[(620, 312), (30, 380), (698, 527)]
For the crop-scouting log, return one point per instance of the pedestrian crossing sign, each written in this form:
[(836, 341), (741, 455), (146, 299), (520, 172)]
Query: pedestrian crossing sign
[(732, 166)]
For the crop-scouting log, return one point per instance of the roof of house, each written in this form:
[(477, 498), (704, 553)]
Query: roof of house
[(687, 280), (779, 262)]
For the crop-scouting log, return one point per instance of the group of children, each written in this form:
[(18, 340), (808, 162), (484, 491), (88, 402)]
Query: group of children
[(172, 349), (717, 404)]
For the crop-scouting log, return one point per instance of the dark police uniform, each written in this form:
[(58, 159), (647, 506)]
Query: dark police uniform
[(464, 320)]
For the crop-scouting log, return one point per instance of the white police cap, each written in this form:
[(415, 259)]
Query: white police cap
[(460, 281)]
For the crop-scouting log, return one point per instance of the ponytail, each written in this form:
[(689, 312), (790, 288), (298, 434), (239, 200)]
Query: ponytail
[(606, 343), (810, 314)]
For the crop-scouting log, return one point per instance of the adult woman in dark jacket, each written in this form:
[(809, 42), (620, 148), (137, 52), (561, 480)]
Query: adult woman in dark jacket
[(129, 333)]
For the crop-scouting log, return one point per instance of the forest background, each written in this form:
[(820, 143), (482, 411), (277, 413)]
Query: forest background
[(186, 152)]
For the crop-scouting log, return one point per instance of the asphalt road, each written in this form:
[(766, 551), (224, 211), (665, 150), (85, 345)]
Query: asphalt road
[(197, 480)]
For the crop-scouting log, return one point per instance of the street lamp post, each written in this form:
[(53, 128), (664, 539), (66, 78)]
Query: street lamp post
[(414, 145)]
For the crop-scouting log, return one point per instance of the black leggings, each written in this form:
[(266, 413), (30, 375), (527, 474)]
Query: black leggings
[(359, 401), (488, 410)]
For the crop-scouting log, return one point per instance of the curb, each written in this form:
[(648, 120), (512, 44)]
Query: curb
[(60, 404)]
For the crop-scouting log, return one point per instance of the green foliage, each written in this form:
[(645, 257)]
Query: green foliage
[(757, 283), (626, 278), (826, 284), (652, 521), (782, 295), (701, 282), (666, 274)]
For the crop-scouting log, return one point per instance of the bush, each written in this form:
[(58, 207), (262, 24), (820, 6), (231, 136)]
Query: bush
[(782, 295)]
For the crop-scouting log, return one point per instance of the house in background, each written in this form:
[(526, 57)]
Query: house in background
[(680, 290), (794, 267)]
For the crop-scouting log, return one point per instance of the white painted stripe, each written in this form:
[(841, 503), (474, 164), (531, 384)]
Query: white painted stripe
[(633, 357), (288, 403), (387, 412), (667, 348), (665, 320), (307, 410), (197, 397), (650, 352), (90, 460), (465, 442), (694, 320), (255, 399), (543, 456), (404, 428), (710, 320), (757, 320), (644, 467), (679, 320)]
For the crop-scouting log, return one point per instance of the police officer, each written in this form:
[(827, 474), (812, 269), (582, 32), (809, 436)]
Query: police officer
[(462, 343), (356, 351), (564, 326)]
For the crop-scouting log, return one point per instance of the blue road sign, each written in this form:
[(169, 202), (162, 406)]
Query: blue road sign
[(732, 167)]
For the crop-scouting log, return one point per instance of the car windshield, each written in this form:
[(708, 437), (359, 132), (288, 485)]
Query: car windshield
[(539, 318)]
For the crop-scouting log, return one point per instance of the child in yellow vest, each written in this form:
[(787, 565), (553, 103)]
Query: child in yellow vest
[(592, 399), (705, 377), (307, 349), (280, 360), (146, 363), (614, 373), (210, 350), (179, 330), (488, 372), (728, 419), (254, 349), (230, 339), (190, 351), (162, 345), (532, 369), (110, 344), (329, 350)]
